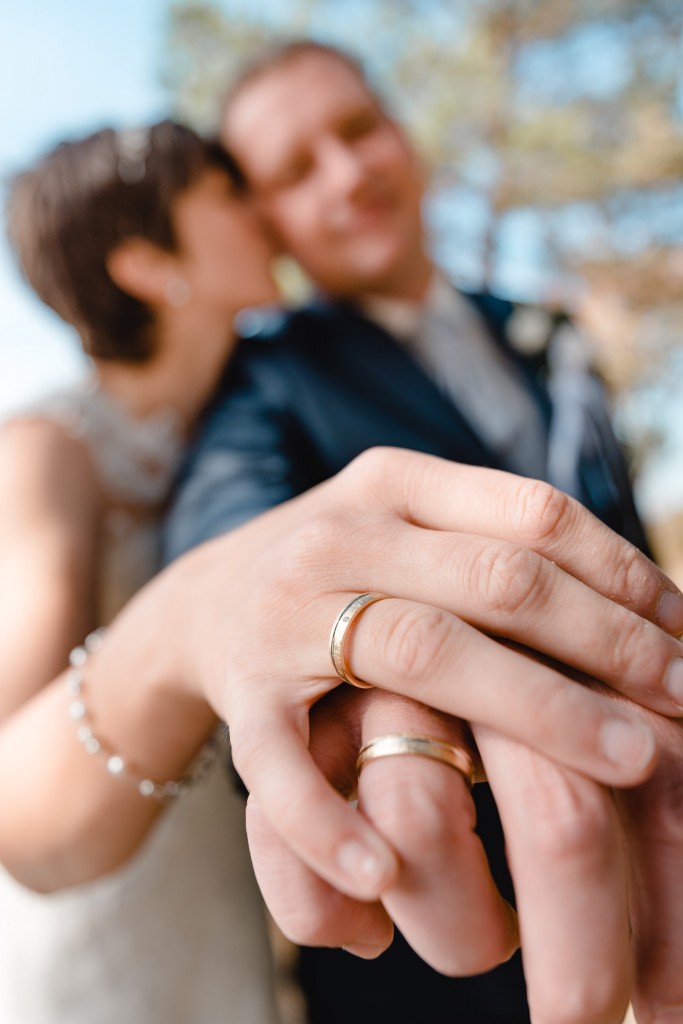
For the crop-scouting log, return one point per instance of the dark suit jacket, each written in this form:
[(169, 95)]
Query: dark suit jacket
[(311, 390), (304, 395)]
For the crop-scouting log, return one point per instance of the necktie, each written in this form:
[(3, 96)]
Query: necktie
[(455, 348)]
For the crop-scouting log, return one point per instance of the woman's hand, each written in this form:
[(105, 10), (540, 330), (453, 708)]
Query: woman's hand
[(466, 554)]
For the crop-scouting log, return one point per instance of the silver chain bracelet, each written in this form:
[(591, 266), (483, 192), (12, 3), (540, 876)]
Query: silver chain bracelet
[(116, 765)]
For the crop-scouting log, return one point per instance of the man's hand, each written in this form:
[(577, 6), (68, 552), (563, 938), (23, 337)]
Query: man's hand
[(465, 554), (564, 844), (443, 897)]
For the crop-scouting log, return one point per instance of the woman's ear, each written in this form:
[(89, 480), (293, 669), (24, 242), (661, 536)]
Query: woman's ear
[(140, 268)]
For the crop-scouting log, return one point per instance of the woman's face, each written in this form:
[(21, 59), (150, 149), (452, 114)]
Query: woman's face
[(223, 253)]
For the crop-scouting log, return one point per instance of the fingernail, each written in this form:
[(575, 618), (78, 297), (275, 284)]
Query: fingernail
[(627, 744), (364, 865), (364, 952), (670, 612), (673, 681)]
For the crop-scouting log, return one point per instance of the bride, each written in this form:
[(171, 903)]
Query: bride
[(140, 240)]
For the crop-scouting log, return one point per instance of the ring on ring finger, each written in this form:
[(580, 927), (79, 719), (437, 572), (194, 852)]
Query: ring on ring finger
[(340, 633), (398, 745)]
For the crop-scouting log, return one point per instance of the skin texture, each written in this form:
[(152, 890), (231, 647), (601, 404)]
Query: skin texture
[(339, 186), (507, 561), (333, 875), (340, 190)]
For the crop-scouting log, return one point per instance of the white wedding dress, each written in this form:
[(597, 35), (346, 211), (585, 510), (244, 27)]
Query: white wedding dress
[(177, 936)]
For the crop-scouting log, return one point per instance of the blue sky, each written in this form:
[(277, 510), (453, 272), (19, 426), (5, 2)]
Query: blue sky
[(69, 66), (66, 67)]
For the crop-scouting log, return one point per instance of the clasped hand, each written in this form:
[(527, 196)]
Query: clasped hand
[(468, 555)]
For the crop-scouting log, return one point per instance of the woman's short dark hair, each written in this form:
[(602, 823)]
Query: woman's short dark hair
[(69, 211)]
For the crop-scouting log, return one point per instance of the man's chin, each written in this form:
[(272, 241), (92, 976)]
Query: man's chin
[(379, 268)]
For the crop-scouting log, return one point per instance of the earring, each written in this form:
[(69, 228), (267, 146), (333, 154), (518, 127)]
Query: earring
[(177, 292)]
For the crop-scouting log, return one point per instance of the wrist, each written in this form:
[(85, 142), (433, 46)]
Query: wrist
[(142, 693)]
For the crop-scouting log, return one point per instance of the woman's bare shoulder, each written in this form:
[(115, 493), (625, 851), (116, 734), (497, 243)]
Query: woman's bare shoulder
[(44, 471)]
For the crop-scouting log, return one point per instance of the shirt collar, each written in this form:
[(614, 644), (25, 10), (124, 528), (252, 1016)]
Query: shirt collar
[(399, 317), (402, 317)]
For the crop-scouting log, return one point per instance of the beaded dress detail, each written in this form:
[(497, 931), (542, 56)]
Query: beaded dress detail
[(176, 936), (135, 461)]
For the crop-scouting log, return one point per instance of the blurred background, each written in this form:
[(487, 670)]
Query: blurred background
[(554, 132)]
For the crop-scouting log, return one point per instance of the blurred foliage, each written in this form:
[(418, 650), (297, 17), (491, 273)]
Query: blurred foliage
[(568, 111)]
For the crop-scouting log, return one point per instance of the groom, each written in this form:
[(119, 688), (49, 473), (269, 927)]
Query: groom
[(391, 354)]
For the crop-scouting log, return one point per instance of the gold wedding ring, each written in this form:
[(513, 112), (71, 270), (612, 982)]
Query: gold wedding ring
[(340, 632), (395, 745)]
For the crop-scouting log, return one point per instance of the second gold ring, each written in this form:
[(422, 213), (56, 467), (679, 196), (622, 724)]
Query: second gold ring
[(398, 745)]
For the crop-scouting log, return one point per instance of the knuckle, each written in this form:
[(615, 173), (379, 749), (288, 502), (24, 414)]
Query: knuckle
[(629, 574), (415, 641), (311, 549), (598, 1000), (305, 924), (541, 512), (629, 650), (381, 479), (510, 579), (370, 468), (320, 535), (417, 813), (569, 821), (322, 553)]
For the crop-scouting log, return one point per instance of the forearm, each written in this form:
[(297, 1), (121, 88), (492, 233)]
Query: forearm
[(63, 818), (39, 623), (50, 531)]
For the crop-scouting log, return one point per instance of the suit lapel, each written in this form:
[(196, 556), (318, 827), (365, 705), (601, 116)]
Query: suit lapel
[(389, 378)]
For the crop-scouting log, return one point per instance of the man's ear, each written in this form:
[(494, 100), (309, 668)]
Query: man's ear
[(140, 268)]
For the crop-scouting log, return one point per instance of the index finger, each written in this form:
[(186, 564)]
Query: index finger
[(442, 495)]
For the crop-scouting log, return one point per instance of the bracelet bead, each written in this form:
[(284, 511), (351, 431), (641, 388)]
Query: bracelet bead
[(115, 764)]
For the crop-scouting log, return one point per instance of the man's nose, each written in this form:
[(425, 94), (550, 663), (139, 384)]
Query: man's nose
[(343, 169)]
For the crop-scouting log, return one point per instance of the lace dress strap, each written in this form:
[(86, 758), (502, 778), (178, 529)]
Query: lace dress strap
[(135, 459)]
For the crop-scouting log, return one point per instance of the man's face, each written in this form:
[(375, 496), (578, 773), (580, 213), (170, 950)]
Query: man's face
[(333, 175)]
